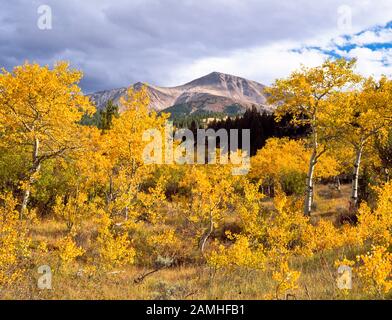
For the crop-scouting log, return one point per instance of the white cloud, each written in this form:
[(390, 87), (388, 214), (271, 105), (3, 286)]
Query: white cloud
[(166, 42), (384, 36), (263, 64), (373, 63), (266, 63)]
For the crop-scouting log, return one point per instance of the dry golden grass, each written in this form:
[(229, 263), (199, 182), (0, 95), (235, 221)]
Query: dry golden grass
[(318, 281), (331, 202), (328, 202)]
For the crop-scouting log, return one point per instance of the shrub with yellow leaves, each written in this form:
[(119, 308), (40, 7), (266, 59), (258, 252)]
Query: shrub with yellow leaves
[(151, 200), (249, 209), (266, 235), (72, 211), (240, 254), (287, 229), (68, 251), (283, 163), (376, 225), (376, 271), (325, 236), (164, 244), (114, 248), (208, 199), (124, 146), (14, 242), (286, 280)]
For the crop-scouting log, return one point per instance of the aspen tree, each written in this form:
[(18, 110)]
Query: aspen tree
[(39, 109), (367, 112), (305, 94)]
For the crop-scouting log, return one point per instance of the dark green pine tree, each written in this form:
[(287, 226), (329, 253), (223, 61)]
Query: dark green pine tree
[(107, 114)]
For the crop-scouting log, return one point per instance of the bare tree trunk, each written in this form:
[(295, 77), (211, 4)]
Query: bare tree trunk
[(354, 189), (309, 184), (26, 196), (206, 235), (337, 184), (312, 164), (34, 169), (110, 193)]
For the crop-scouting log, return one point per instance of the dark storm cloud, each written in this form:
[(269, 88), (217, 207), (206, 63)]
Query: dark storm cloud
[(120, 42)]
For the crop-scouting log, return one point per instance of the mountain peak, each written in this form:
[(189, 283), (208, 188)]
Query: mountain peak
[(138, 85), (216, 74), (213, 92), (214, 78)]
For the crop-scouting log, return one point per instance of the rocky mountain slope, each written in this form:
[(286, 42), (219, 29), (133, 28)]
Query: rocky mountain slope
[(215, 92)]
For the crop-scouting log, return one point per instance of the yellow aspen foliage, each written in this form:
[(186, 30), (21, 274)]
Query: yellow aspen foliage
[(266, 236), (283, 159), (209, 194), (376, 225), (249, 209), (351, 236), (288, 232), (120, 209), (114, 249), (124, 140), (241, 254), (365, 115), (306, 94), (40, 110), (151, 201), (73, 211), (287, 229), (270, 166), (164, 244), (14, 242), (325, 236), (282, 231), (42, 247), (344, 262), (286, 280), (87, 167), (68, 251), (123, 147), (375, 271)]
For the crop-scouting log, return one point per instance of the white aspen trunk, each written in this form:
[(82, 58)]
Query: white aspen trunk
[(26, 196), (110, 197), (338, 185), (354, 189), (34, 169), (312, 163), (309, 185), (206, 235)]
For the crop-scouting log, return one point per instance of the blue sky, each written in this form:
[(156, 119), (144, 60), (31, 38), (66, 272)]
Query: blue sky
[(377, 39), (372, 47), (170, 42)]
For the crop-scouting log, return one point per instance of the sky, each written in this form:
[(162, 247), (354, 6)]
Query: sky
[(171, 42)]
